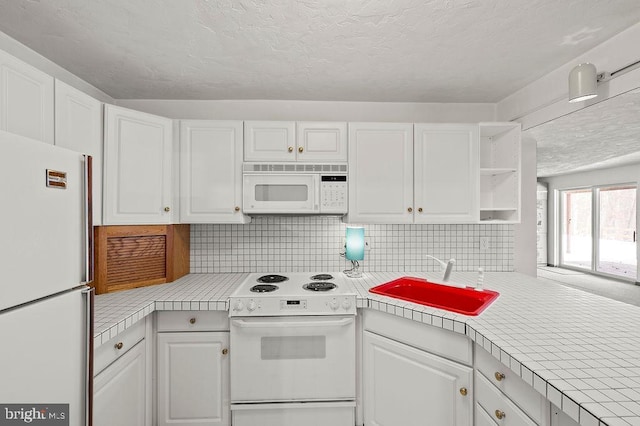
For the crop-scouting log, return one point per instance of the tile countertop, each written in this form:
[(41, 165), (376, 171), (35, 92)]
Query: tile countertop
[(580, 350)]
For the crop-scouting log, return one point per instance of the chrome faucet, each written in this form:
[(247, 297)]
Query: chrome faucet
[(446, 267)]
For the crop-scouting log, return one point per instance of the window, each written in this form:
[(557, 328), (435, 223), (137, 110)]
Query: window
[(577, 240), (598, 230)]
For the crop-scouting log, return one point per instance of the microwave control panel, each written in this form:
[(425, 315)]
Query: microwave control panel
[(333, 194)]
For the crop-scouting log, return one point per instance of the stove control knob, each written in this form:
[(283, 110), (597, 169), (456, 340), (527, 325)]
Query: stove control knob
[(238, 305), (252, 306), (334, 305), (346, 304)]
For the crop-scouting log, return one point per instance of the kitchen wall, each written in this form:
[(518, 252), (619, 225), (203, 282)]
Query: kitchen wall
[(406, 112), (307, 243)]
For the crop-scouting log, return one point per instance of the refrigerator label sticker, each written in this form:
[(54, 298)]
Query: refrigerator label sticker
[(34, 414), (56, 179)]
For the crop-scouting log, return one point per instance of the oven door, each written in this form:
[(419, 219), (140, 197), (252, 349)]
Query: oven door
[(293, 359), (277, 194)]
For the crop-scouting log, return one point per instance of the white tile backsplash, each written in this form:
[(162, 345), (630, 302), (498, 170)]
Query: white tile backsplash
[(307, 243)]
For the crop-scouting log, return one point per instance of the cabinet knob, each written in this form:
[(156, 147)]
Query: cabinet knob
[(192, 321), (237, 209), (500, 414), (225, 351), (419, 209), (290, 149), (463, 391), (118, 345), (410, 209), (167, 209), (499, 376), (300, 149)]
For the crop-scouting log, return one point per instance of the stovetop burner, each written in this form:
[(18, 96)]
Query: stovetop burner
[(264, 288), (272, 279), (319, 286), (322, 277)]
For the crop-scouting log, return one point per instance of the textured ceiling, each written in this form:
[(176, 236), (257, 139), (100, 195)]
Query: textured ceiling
[(348, 50), (606, 134)]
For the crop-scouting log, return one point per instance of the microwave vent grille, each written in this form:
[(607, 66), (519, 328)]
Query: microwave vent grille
[(294, 168)]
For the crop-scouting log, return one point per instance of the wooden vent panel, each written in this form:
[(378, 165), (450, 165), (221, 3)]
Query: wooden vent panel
[(136, 256)]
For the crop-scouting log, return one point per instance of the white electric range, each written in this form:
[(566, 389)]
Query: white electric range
[(299, 293), (293, 350)]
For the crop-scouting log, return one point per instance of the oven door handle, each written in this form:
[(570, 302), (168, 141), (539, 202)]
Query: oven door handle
[(267, 324)]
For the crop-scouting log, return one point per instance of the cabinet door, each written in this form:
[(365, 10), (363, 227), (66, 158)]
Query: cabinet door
[(78, 127), (211, 172), (193, 378), (269, 141), (446, 173), (321, 141), (138, 176), (405, 386), (380, 173), (120, 391), (26, 99)]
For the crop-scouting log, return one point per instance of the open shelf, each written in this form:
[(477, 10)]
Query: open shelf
[(499, 172)]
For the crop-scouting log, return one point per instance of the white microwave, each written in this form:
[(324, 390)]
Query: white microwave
[(294, 188)]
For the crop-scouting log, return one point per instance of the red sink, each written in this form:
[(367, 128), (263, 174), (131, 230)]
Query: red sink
[(463, 300)]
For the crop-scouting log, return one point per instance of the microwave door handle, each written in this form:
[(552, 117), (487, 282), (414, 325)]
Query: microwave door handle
[(266, 324), (316, 183)]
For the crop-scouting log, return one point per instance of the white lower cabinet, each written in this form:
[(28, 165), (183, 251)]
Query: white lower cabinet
[(120, 390), (500, 408), (504, 396), (404, 385), (192, 375), (483, 418)]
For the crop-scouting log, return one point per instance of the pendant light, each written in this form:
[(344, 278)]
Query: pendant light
[(583, 82)]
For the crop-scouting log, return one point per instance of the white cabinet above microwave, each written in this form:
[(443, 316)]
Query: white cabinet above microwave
[(288, 141)]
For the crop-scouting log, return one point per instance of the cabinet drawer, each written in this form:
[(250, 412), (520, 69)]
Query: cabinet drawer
[(108, 352), (483, 418), (499, 407), (501, 376), (193, 321), (438, 341)]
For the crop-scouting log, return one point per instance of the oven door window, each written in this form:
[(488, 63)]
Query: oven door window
[(293, 347)]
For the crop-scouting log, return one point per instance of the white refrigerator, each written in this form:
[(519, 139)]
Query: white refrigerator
[(45, 261)]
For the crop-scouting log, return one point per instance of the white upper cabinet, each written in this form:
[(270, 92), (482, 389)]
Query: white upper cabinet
[(319, 141), (211, 172), (78, 127), (500, 159), (269, 140), (278, 141), (26, 99), (380, 173), (138, 172), (446, 173)]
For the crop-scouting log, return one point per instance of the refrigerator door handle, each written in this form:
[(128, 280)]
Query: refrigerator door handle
[(88, 218), (89, 294)]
